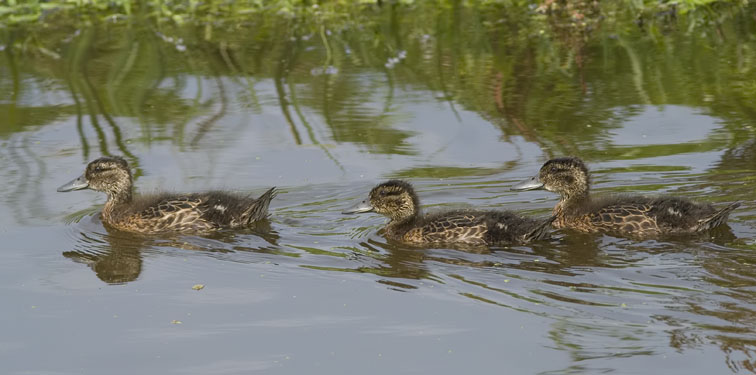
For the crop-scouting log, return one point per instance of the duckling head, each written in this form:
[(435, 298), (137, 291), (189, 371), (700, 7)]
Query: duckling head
[(567, 177), (110, 175), (395, 199)]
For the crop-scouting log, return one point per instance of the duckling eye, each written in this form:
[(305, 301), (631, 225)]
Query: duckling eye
[(99, 168)]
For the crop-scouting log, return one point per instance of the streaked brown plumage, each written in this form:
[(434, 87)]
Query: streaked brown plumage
[(622, 214), (166, 212), (397, 200)]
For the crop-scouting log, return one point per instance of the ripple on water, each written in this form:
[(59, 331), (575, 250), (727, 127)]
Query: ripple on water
[(600, 296)]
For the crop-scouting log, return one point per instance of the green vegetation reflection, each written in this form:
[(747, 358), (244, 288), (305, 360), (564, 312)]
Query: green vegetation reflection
[(563, 77)]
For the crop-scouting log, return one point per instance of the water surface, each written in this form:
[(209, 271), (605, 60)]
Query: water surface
[(463, 105)]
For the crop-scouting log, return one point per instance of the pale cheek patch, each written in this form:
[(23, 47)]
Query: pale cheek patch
[(220, 208)]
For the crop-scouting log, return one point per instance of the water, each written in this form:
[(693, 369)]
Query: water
[(324, 116)]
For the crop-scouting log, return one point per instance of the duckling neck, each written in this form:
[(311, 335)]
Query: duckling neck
[(114, 200), (397, 227), (569, 205), (575, 197)]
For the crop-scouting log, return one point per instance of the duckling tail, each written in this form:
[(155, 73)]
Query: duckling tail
[(539, 232), (717, 218), (258, 210)]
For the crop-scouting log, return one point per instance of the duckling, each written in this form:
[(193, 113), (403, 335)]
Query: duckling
[(622, 214), (166, 212), (397, 200)]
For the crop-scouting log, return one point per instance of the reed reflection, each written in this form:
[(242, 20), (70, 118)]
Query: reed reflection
[(733, 172), (531, 87)]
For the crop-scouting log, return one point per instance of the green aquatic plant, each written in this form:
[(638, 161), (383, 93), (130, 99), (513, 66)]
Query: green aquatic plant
[(575, 14)]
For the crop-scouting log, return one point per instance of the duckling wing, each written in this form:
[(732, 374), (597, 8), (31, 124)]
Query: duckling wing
[(628, 217), (171, 207), (175, 213), (681, 215), (460, 228), (649, 216)]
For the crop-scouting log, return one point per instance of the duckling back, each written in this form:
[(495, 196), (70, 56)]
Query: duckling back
[(234, 211), (677, 214), (189, 213), (507, 227), (476, 228), (643, 216)]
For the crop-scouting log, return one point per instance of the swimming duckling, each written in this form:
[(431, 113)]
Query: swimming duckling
[(623, 214), (166, 212), (397, 200)]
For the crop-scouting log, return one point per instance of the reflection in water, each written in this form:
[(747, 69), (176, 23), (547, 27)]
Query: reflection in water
[(116, 256), (117, 262), (736, 169)]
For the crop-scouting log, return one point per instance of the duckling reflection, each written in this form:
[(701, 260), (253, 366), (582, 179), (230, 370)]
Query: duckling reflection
[(624, 214), (116, 256), (117, 261), (397, 200), (166, 212), (398, 262)]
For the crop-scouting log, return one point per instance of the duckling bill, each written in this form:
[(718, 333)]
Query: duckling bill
[(166, 212), (397, 200), (622, 214)]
